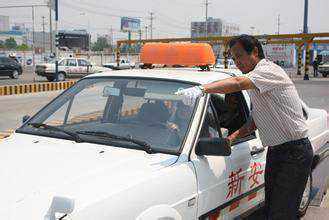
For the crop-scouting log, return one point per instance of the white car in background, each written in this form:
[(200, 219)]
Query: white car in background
[(220, 64), (122, 145), (123, 64), (70, 67)]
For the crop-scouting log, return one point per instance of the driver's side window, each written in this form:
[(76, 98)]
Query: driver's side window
[(209, 127)]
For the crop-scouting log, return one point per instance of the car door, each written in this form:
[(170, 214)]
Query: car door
[(3, 70), (72, 67), (229, 186), (9, 65), (83, 66)]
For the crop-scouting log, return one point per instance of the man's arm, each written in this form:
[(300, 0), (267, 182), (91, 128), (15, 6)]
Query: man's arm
[(229, 85), (248, 128)]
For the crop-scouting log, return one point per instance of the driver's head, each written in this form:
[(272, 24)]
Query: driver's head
[(232, 102)]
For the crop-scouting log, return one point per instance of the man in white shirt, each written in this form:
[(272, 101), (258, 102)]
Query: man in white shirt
[(278, 116)]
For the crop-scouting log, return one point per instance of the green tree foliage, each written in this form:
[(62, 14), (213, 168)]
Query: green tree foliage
[(23, 47), (100, 44), (10, 43)]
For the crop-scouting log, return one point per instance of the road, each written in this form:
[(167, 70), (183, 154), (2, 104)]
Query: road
[(28, 76), (315, 93), (14, 107)]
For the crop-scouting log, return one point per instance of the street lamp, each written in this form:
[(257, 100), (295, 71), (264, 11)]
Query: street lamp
[(89, 33)]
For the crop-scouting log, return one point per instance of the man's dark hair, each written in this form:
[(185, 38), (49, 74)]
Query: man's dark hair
[(248, 43)]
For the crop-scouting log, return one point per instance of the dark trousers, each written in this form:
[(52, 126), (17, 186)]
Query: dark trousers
[(315, 74), (287, 169)]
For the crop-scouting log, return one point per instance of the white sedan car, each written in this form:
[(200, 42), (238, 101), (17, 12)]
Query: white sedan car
[(122, 145), (67, 68)]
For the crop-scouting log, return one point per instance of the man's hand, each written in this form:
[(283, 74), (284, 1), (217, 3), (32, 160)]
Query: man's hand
[(190, 94)]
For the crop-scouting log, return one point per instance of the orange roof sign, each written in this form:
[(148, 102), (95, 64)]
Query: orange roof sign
[(185, 54)]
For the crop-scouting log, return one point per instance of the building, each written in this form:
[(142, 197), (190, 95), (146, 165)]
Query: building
[(4, 23), (19, 27), (216, 27), (41, 41), (75, 40), (230, 29), (19, 36)]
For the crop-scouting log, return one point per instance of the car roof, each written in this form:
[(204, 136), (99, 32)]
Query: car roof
[(192, 75)]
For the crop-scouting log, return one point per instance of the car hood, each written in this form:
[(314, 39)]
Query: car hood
[(34, 169)]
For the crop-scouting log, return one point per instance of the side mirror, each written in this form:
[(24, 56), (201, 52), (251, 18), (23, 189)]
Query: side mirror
[(25, 118), (213, 147)]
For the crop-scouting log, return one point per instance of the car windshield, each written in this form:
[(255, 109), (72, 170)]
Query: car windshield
[(146, 110)]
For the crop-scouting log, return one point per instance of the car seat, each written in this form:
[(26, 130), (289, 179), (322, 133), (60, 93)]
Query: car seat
[(152, 113)]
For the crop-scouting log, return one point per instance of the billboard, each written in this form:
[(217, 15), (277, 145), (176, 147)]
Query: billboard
[(130, 24), (74, 40)]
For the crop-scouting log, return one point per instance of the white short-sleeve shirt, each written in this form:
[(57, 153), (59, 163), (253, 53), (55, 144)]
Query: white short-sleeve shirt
[(277, 109)]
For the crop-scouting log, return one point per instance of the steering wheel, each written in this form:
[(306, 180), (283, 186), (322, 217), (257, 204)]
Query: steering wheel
[(173, 138)]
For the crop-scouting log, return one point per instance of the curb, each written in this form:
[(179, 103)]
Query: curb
[(34, 88)]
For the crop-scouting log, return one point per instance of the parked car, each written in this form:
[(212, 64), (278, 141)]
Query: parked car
[(9, 67), (107, 148), (29, 61), (323, 68), (123, 64), (67, 68)]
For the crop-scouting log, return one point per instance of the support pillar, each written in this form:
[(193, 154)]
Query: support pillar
[(299, 60), (307, 61), (225, 55)]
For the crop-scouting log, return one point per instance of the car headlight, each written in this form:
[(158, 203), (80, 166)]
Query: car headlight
[(60, 205)]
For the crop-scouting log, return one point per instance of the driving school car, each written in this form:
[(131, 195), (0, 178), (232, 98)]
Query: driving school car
[(67, 68), (123, 145)]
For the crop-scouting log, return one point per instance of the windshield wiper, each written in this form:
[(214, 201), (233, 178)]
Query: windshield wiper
[(75, 136), (146, 146)]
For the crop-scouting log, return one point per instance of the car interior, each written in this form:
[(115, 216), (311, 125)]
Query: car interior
[(230, 114)]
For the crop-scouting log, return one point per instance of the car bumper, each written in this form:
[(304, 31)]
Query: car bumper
[(323, 70), (43, 73)]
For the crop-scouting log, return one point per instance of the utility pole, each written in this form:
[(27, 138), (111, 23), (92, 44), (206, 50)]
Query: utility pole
[(56, 49), (43, 35), (33, 40), (50, 27), (305, 30), (207, 3), (146, 30), (111, 37), (33, 22), (151, 23), (279, 23)]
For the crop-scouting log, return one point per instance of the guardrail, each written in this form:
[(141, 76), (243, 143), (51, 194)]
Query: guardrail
[(34, 87)]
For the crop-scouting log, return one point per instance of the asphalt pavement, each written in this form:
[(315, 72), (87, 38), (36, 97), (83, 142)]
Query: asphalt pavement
[(28, 76)]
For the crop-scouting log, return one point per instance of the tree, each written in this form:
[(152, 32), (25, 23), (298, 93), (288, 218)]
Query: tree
[(100, 44), (23, 47), (10, 43)]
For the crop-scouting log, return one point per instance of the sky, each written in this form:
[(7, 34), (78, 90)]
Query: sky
[(173, 17)]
